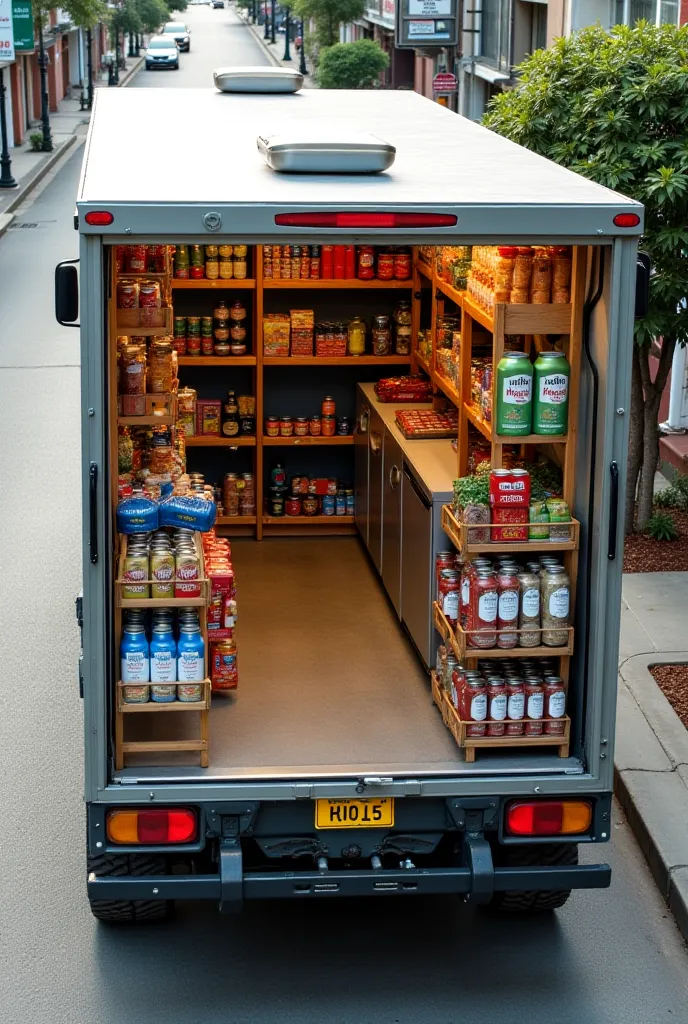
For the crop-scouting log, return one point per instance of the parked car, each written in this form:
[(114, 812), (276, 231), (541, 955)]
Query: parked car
[(181, 34), (162, 52), (218, 3)]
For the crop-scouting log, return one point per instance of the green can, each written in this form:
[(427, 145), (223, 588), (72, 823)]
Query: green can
[(180, 327), (193, 326), (551, 405), (514, 404)]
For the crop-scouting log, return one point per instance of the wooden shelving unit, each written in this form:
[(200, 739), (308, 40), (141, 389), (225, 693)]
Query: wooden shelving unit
[(205, 284), (207, 441), (460, 535), (336, 360), (336, 284), (307, 442), (206, 361)]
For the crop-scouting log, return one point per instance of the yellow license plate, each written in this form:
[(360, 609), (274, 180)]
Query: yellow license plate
[(368, 813)]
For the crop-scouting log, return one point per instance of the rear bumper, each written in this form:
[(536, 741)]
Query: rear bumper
[(230, 889)]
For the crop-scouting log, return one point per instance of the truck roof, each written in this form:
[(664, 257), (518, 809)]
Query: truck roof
[(198, 146)]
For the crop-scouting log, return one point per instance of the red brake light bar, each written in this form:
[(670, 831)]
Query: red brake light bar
[(365, 220), (99, 218), (627, 220)]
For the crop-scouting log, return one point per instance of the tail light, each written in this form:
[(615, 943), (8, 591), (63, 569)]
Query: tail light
[(627, 220), (99, 218), (548, 817), (365, 220), (159, 827)]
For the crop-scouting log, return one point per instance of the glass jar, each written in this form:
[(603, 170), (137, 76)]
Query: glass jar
[(272, 426), (381, 336), (247, 495), (534, 699), (556, 599), (160, 368), (402, 265), (133, 370), (230, 494), (309, 505), (286, 426), (356, 337), (472, 701), (301, 426), (221, 317), (504, 272), (366, 262), (449, 586), (181, 261), (315, 426), (125, 451), (240, 266), (555, 705), (541, 282), (529, 608), (485, 603), (225, 267), (523, 268), (507, 610), (515, 705), (212, 266), (385, 266), (329, 426), (496, 705), (237, 311), (328, 407), (402, 328)]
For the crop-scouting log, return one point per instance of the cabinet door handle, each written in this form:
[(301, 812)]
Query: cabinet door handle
[(375, 444), (613, 510), (363, 421), (394, 477)]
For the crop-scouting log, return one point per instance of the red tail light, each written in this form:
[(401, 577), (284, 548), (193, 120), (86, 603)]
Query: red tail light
[(157, 827), (99, 218), (365, 220), (548, 817), (627, 220)]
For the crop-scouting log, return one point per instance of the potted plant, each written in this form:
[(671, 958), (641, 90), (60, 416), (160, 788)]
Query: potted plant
[(472, 505), (36, 140)]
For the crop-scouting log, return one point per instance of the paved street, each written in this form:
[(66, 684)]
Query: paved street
[(611, 957)]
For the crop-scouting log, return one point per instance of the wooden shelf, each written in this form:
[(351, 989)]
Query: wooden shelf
[(519, 318), (235, 521), (425, 367), (336, 360), (324, 284), (202, 441), (165, 746), (146, 421), (480, 424), (157, 706), (305, 442), (463, 651), (477, 313), (308, 520), (204, 284), (458, 533), (458, 729), (450, 292), (164, 602), (216, 360), (425, 269), (486, 430), (447, 387)]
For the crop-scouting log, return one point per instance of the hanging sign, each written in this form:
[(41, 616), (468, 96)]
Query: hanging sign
[(444, 81), (22, 16), (430, 8), (6, 31), (426, 24)]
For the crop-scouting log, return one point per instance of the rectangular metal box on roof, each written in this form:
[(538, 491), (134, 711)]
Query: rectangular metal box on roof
[(134, 168)]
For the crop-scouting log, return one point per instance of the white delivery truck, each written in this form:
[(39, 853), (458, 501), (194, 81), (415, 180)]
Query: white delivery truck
[(346, 761)]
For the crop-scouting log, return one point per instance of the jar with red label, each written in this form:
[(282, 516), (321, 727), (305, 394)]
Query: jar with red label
[(484, 604), (127, 295), (224, 673), (315, 426), (385, 266), (301, 426), (136, 259), (328, 407), (366, 262), (496, 706), (443, 560), (515, 705), (286, 426), (507, 610), (149, 295), (193, 344), (402, 266), (535, 705), (329, 426), (473, 704), (292, 505), (448, 589), (554, 706), (207, 345)]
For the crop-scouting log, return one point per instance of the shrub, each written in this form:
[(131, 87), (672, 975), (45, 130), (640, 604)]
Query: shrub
[(660, 526)]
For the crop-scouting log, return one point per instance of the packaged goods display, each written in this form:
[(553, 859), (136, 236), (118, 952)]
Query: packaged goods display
[(336, 262), (307, 496), (298, 334), (403, 389), (211, 262), (425, 423), (324, 423), (222, 332), (519, 274), (511, 698)]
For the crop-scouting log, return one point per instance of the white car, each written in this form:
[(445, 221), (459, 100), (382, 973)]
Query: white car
[(162, 52), (180, 33)]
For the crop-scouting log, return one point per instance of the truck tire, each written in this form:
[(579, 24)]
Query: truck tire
[(128, 911), (538, 901)]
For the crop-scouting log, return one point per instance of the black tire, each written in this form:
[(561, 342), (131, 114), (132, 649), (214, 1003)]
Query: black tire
[(537, 901), (128, 911)]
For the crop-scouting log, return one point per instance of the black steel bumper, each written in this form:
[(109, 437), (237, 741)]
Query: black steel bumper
[(230, 887)]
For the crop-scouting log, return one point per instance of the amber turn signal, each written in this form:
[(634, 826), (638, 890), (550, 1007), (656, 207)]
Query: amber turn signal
[(160, 827), (548, 817)]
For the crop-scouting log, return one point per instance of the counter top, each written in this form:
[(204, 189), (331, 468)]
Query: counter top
[(434, 463)]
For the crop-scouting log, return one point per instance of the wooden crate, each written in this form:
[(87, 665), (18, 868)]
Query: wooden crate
[(144, 321), (458, 640), (459, 533), (147, 410), (199, 743), (470, 744)]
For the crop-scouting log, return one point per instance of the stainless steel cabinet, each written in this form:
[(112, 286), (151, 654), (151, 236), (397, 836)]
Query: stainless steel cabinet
[(362, 464), (417, 564), (376, 434), (392, 520)]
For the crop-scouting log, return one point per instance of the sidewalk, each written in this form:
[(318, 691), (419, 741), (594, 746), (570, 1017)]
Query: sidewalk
[(651, 759), (275, 53), (68, 125)]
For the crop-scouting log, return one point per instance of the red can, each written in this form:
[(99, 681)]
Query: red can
[(136, 259), (515, 706), (366, 262), (193, 344), (385, 266), (327, 261), (555, 706), (510, 487), (206, 345), (292, 506), (483, 610), (402, 266), (339, 262), (512, 518), (496, 706), (350, 261), (179, 346), (535, 706), (473, 704), (120, 256)]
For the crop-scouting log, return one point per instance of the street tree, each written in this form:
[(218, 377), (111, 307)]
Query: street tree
[(613, 106), (351, 65), (152, 14), (327, 16)]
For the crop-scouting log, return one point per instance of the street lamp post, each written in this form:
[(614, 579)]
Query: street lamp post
[(131, 45), (6, 179), (287, 51), (115, 74), (89, 66), (302, 52), (47, 146), (266, 33), (272, 23)]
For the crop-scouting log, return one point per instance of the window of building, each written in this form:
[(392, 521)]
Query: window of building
[(657, 12), (495, 33)]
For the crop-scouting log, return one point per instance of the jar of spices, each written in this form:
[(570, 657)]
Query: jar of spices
[(485, 602), (402, 328), (160, 371), (230, 494), (225, 268), (366, 262), (556, 594), (529, 608), (329, 426), (385, 266), (301, 426), (247, 495), (535, 705), (315, 426), (473, 704), (402, 265), (496, 705), (286, 426), (507, 610), (523, 267), (225, 251), (515, 705), (555, 705), (381, 336), (237, 312), (272, 426), (504, 272), (449, 586), (328, 407), (356, 337), (133, 370), (309, 505), (240, 265)]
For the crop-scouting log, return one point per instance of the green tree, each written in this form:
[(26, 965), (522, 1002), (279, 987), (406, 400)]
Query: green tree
[(151, 14), (327, 16), (613, 106), (351, 65), (175, 5)]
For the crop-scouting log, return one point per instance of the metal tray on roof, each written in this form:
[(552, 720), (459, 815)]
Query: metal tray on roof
[(327, 153), (257, 79)]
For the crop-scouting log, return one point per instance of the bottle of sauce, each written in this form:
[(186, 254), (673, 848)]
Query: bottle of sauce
[(230, 416), (190, 652)]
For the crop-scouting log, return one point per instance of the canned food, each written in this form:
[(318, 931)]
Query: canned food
[(163, 693), (292, 506), (189, 693), (136, 693), (328, 505), (224, 673)]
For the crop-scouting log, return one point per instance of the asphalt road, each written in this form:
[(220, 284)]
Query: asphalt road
[(611, 957)]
